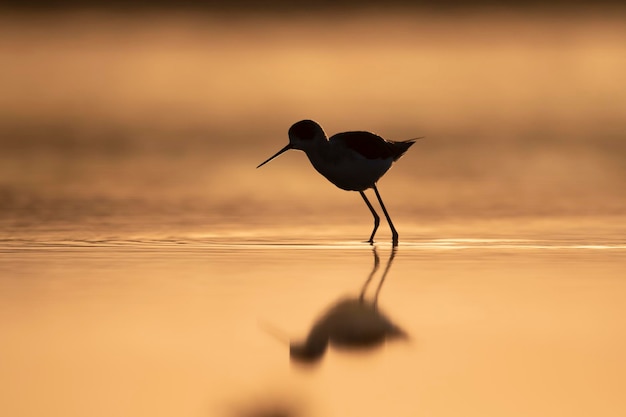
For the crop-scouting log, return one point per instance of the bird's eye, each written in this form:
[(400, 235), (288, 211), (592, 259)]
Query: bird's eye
[(304, 130)]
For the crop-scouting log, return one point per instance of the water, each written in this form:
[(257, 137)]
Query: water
[(178, 326), (146, 267)]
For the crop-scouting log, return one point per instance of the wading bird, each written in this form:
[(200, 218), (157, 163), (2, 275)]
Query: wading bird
[(353, 161)]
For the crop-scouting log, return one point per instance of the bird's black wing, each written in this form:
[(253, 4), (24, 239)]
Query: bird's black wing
[(372, 146), (367, 144)]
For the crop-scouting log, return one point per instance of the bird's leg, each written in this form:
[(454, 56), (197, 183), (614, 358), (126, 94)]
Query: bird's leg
[(376, 217), (394, 233)]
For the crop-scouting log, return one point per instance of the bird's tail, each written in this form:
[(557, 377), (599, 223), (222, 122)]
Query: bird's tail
[(400, 147)]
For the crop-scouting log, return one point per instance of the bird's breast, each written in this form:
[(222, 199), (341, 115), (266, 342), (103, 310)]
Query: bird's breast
[(350, 172)]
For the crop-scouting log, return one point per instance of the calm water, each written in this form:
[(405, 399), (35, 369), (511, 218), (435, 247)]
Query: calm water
[(178, 326), (146, 267)]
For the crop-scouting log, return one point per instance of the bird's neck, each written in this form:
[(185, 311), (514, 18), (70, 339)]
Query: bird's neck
[(320, 153)]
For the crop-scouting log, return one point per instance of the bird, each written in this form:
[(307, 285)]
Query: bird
[(352, 161)]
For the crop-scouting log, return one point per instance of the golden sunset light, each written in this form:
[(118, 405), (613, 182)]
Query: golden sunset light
[(148, 268)]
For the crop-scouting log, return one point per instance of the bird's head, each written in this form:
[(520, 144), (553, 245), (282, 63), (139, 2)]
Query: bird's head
[(302, 135)]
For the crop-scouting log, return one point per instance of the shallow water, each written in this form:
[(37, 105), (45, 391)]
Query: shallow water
[(178, 326), (146, 267)]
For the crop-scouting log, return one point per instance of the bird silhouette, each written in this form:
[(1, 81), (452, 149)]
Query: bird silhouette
[(353, 161)]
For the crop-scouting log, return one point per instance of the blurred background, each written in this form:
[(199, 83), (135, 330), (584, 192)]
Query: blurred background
[(157, 114)]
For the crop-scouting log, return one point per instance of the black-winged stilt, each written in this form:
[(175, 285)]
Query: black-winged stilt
[(353, 161)]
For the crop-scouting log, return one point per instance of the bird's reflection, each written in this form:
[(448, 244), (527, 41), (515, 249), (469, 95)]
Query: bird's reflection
[(351, 323)]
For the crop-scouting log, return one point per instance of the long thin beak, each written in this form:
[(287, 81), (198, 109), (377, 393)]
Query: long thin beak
[(285, 149)]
